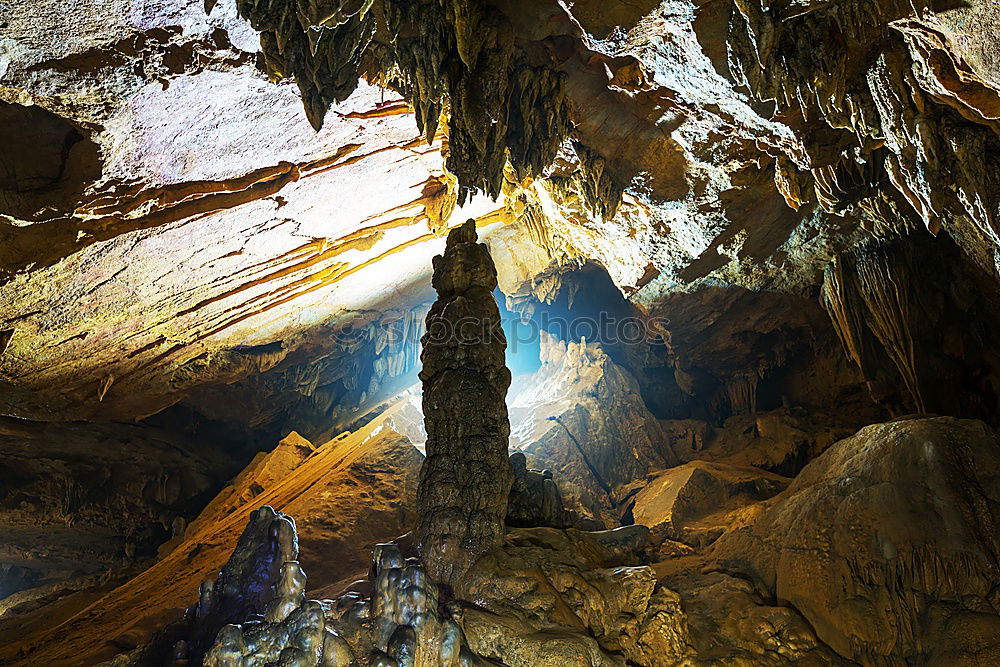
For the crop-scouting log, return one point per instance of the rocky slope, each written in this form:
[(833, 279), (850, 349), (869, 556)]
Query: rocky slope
[(347, 494)]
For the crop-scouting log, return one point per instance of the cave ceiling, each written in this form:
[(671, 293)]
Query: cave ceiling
[(197, 198)]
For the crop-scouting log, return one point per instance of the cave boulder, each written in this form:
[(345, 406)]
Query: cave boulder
[(887, 544)]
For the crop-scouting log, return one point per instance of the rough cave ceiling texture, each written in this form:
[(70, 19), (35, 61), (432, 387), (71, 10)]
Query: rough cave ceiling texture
[(173, 224)]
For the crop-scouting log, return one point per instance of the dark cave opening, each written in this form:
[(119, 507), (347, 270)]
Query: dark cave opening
[(46, 163)]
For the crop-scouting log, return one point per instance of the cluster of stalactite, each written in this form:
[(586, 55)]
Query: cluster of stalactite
[(868, 290), (741, 390), (320, 44), (772, 47), (452, 57), (588, 180), (459, 57), (906, 115), (908, 330)]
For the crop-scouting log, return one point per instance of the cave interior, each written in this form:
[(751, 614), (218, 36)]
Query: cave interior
[(452, 333)]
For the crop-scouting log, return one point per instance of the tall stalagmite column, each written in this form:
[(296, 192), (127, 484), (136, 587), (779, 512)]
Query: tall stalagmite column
[(466, 477)]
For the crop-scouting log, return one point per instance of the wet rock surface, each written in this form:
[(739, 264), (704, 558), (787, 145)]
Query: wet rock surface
[(257, 579)]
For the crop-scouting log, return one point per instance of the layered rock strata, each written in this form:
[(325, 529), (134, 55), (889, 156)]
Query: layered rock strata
[(706, 148), (466, 477)]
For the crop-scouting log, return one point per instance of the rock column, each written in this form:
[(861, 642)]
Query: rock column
[(466, 478)]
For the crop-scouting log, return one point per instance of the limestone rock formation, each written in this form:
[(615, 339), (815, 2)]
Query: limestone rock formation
[(256, 611), (466, 477), (797, 201), (347, 495), (407, 624), (548, 597), (194, 191), (887, 544), (729, 622), (292, 631), (697, 502), (250, 581), (780, 441), (462, 58), (535, 499), (321, 46), (911, 344), (582, 416), (567, 597), (408, 418), (705, 150)]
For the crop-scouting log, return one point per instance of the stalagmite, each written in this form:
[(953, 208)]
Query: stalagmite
[(466, 477)]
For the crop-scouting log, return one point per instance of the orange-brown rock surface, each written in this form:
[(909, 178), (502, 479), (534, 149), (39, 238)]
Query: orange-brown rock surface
[(886, 543), (347, 494), (199, 231)]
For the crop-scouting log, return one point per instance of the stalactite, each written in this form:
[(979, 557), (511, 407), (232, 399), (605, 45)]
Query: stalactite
[(453, 56), (842, 312), (867, 291), (590, 181), (321, 46), (741, 389), (883, 285), (906, 113)]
